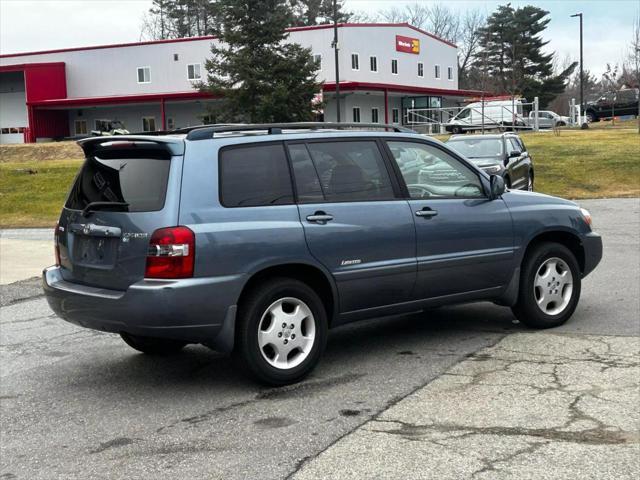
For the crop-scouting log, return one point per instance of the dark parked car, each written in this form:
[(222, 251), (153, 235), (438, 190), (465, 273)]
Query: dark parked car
[(622, 102), (256, 240), (498, 154)]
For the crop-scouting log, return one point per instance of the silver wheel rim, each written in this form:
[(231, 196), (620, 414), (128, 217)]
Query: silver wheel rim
[(286, 333), (553, 286)]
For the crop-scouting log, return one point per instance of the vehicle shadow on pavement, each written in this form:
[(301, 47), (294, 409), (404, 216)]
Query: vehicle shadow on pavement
[(351, 348)]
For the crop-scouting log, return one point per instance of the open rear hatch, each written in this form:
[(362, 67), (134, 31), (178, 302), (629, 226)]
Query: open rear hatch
[(127, 188)]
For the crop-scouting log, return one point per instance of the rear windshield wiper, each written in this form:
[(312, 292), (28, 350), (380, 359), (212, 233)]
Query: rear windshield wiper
[(98, 205)]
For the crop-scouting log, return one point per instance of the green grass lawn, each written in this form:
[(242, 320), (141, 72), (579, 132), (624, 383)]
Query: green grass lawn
[(594, 163), (34, 200)]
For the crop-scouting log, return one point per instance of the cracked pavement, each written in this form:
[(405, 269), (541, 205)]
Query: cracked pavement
[(536, 405), (450, 393)]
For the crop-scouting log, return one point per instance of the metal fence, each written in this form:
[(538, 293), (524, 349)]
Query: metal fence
[(481, 116)]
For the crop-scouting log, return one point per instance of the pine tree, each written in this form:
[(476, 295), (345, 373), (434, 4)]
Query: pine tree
[(260, 77), (512, 54)]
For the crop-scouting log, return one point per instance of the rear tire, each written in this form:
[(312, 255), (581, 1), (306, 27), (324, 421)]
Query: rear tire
[(151, 345), (456, 130), (550, 283), (281, 331)]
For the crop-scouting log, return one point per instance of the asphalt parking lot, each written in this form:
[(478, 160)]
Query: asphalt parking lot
[(81, 404)]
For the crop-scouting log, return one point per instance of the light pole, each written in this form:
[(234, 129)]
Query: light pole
[(581, 69), (335, 49)]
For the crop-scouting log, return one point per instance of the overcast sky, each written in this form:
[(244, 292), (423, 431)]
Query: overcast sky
[(27, 25)]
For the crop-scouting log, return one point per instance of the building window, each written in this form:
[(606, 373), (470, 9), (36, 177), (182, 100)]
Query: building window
[(420, 69), (176, 57), (373, 63), (144, 74), (437, 71), (102, 125), (450, 73), (80, 127), (395, 115), (317, 60), (355, 62), (171, 123), (193, 71), (374, 115), (356, 114), (148, 124), (394, 66)]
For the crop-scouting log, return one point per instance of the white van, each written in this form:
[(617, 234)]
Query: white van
[(496, 113)]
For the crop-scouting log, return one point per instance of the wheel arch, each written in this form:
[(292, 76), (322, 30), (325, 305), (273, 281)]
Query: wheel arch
[(568, 239), (312, 275)]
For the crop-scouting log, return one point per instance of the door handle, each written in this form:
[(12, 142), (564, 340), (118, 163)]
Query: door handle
[(319, 217), (426, 212)]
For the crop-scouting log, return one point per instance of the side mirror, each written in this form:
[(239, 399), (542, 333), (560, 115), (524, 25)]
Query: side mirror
[(496, 186), (514, 153)]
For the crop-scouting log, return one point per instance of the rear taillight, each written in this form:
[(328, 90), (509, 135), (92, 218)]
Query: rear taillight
[(171, 253), (56, 245)]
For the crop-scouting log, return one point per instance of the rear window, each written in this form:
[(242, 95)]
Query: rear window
[(140, 182), (346, 171), (255, 175), (477, 147)]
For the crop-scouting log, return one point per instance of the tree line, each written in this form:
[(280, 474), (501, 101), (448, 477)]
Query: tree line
[(266, 80)]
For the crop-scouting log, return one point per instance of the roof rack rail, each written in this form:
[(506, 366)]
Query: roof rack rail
[(203, 132)]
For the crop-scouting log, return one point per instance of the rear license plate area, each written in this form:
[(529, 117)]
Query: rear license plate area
[(96, 252)]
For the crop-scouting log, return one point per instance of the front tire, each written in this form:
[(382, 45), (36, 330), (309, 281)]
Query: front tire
[(281, 331), (550, 283), (151, 345)]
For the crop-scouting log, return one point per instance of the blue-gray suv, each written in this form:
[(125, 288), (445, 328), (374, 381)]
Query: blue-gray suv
[(256, 239)]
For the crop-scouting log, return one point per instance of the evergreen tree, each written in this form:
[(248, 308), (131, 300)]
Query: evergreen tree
[(260, 77), (511, 52)]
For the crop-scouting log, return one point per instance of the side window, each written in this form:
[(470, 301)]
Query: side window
[(254, 175), (514, 145), (431, 173), (345, 171), (522, 145), (305, 175)]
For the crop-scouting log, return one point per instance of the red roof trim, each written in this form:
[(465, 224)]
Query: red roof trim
[(120, 99), (330, 87), (330, 25), (24, 66), (101, 47), (211, 37)]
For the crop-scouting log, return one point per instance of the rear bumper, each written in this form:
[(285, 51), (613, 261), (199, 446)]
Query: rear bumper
[(198, 310), (592, 244)]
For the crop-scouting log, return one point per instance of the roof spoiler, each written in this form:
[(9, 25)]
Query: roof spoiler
[(174, 145)]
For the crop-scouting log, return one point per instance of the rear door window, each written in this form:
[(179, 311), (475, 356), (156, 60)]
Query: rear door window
[(255, 175), (344, 171), (118, 176)]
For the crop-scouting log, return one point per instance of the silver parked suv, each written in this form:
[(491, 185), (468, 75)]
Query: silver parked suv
[(257, 239)]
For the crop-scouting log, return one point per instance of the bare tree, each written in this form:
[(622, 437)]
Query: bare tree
[(468, 42)]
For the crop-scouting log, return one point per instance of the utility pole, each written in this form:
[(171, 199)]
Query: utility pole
[(335, 50), (581, 69)]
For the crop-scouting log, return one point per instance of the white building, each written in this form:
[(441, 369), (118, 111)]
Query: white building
[(384, 69)]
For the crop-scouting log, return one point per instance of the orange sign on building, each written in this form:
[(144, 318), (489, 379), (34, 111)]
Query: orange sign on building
[(407, 44)]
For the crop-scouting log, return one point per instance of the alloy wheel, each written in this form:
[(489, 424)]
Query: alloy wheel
[(286, 333), (553, 286)]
